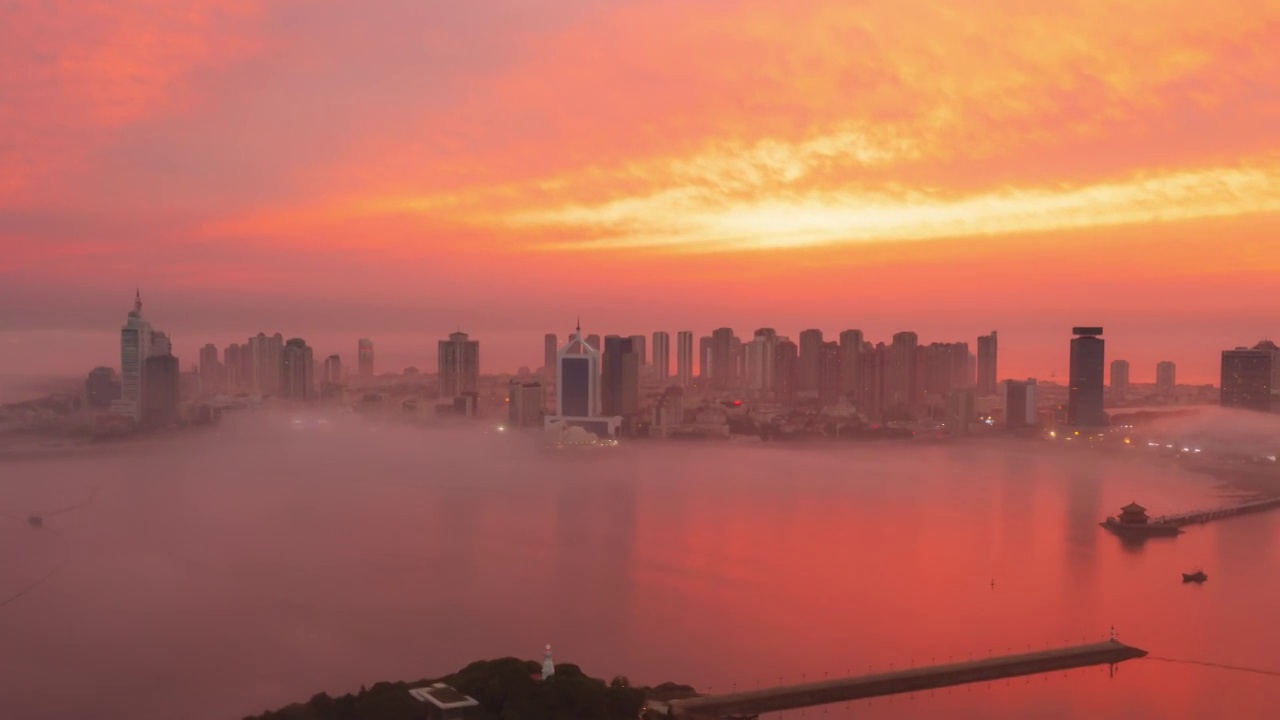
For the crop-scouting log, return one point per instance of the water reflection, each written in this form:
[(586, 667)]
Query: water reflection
[(273, 565)]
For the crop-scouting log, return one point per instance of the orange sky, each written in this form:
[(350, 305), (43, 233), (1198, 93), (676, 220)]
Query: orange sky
[(397, 169)]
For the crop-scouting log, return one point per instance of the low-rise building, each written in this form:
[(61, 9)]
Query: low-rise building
[(443, 702)]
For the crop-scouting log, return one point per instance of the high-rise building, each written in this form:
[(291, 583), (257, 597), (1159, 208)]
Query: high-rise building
[(661, 356), (684, 357), (459, 365), (578, 378), (786, 371), (810, 358), (873, 372), (829, 374), (1166, 377), (159, 344), (297, 368), (1020, 403), (364, 358), (1088, 365), (620, 377), (135, 347), (526, 404), (161, 379), (900, 375), (101, 388), (987, 366), (850, 345), (941, 368), (639, 345), (594, 341), (333, 370), (212, 371), (1247, 375), (704, 357), (1270, 347), (550, 344), (724, 361), (1119, 382), (759, 357), (233, 366), (267, 354)]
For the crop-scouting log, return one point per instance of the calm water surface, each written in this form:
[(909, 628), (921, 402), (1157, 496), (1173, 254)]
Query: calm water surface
[(228, 573)]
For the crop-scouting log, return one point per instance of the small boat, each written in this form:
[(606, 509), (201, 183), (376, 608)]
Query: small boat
[(1195, 577), (36, 521)]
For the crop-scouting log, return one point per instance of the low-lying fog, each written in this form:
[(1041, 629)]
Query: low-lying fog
[(221, 573)]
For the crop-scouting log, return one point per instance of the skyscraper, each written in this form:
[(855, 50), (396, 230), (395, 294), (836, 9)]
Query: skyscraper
[(829, 374), (550, 344), (364, 358), (212, 371), (1166, 377), (1246, 378), (850, 345), (135, 346), (639, 347), (704, 357), (786, 371), (759, 357), (1088, 365), (987, 366), (333, 370), (578, 378), (161, 379), (297, 368), (459, 365), (724, 365), (661, 356), (810, 357), (232, 365), (941, 368), (1119, 381), (267, 354), (873, 370), (684, 357), (620, 377), (900, 375)]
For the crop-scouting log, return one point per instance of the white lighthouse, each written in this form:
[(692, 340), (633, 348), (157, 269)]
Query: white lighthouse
[(548, 665)]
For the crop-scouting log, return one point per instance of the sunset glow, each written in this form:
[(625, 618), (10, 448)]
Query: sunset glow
[(351, 169)]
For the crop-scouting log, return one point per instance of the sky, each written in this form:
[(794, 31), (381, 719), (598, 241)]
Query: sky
[(400, 169)]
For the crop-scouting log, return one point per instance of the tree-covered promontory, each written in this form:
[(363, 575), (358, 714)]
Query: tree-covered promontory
[(507, 689)]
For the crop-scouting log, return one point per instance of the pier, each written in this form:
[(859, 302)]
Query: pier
[(792, 697), (1197, 517)]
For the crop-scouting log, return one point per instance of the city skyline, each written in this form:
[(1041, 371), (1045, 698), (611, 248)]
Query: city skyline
[(812, 185), (196, 348)]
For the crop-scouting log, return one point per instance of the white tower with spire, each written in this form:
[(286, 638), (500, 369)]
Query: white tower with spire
[(578, 378), (135, 347), (548, 666)]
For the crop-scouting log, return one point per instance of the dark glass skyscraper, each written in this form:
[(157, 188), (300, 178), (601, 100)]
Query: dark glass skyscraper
[(620, 377), (1088, 370), (987, 364), (1246, 378)]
